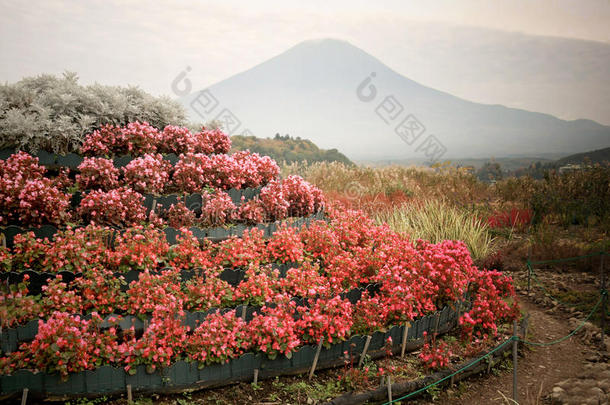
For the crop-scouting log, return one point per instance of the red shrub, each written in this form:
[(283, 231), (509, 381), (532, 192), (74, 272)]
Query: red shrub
[(116, 207), (147, 174), (97, 173)]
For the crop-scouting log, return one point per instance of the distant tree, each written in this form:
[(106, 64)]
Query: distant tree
[(490, 171)]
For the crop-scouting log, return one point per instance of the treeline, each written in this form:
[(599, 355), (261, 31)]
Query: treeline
[(288, 149)]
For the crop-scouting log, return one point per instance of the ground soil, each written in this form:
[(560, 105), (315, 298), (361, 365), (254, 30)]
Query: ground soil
[(539, 369)]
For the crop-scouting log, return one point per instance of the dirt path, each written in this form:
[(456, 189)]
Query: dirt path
[(538, 371)]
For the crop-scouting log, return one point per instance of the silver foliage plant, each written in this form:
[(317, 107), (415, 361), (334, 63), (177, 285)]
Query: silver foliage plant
[(55, 113)]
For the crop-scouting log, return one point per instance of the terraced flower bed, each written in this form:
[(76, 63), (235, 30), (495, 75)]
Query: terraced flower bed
[(130, 286)]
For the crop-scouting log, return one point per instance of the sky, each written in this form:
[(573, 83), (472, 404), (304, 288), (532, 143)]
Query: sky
[(148, 43)]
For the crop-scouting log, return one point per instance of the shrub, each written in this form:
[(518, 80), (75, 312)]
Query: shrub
[(240, 252), (105, 141), (514, 218), (219, 338), (41, 202), (256, 170), (139, 138), (117, 207), (189, 173), (218, 210), (180, 140), (178, 216), (15, 173), (273, 200), (217, 140), (147, 174), (251, 212), (16, 306), (273, 331), (78, 250), (208, 291), (54, 113), (285, 246), (140, 248), (162, 342), (435, 355), (299, 195), (67, 344), (319, 241), (97, 173), (330, 319), (187, 254)]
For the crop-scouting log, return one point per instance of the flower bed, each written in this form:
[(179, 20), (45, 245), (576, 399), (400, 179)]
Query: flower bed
[(142, 301)]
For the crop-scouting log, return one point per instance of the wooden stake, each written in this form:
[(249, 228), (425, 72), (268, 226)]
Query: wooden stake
[(515, 343), (255, 376), (389, 388), (437, 321), (243, 312), (24, 396), (404, 340), (366, 347), (315, 359), (129, 396)]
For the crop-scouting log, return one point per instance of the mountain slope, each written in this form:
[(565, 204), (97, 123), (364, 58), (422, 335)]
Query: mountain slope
[(287, 149), (594, 156), (311, 91)]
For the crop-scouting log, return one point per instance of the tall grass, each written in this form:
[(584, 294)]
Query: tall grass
[(456, 185), (435, 220)]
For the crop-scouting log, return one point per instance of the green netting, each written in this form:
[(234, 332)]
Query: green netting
[(603, 294)]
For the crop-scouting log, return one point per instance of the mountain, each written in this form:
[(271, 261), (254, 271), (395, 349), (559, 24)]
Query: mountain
[(594, 156), (311, 91)]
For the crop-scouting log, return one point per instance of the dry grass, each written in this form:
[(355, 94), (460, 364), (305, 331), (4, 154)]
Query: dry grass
[(435, 220)]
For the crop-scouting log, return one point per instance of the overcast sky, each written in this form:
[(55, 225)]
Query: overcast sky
[(149, 43)]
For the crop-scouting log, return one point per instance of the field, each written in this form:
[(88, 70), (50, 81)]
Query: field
[(155, 250)]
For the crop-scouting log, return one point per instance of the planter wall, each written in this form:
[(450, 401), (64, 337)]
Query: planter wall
[(215, 234), (108, 380), (11, 338)]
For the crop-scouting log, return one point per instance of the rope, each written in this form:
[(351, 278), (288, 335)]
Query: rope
[(554, 342), (603, 293), (452, 374), (544, 290)]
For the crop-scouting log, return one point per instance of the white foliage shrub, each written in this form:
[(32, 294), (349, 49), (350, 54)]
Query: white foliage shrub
[(55, 113)]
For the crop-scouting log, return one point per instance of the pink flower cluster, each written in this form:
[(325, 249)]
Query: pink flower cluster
[(117, 207), (97, 173), (138, 138), (26, 195), (194, 171), (436, 354), (413, 280), (148, 174)]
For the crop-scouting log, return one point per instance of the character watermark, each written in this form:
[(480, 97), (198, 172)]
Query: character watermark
[(206, 105), (408, 128)]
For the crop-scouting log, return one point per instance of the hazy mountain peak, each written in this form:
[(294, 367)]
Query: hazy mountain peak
[(310, 91)]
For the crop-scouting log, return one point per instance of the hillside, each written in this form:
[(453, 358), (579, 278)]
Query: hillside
[(594, 156), (288, 149), (311, 91)]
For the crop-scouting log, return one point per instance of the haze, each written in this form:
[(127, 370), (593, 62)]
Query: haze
[(489, 52)]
